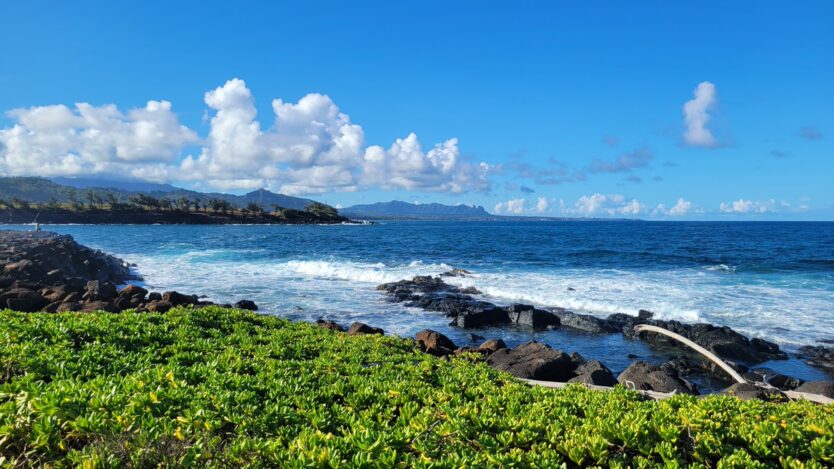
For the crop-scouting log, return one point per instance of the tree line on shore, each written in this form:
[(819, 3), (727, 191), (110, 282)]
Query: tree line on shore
[(91, 200)]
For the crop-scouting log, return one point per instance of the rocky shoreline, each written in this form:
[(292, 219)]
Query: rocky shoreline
[(45, 271), (537, 361)]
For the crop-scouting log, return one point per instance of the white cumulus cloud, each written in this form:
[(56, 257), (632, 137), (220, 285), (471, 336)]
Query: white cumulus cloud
[(311, 147), (512, 206), (605, 205), (60, 141), (751, 206), (696, 116), (682, 207), (405, 165), (542, 204)]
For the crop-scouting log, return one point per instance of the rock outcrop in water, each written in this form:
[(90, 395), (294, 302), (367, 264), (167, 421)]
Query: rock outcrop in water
[(818, 356), (433, 294), (722, 341), (44, 271)]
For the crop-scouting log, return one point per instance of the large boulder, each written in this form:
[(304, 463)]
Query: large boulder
[(22, 299), (491, 346), (332, 325), (534, 360), (766, 375), (435, 343), (748, 391), (133, 290), (593, 372), (362, 328), (246, 304), (481, 316), (99, 291), (647, 377), (823, 388), (176, 298)]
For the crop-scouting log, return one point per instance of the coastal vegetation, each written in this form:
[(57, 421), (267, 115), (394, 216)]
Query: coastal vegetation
[(221, 387), (24, 200)]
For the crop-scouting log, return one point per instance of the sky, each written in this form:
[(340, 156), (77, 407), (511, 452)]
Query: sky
[(654, 110)]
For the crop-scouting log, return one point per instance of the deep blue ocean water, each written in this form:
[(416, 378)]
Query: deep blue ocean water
[(769, 280)]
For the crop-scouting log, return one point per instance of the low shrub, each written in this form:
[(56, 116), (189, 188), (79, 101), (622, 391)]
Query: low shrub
[(220, 387)]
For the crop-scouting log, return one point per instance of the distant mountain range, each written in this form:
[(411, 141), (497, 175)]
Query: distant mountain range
[(403, 210), (399, 210), (42, 190)]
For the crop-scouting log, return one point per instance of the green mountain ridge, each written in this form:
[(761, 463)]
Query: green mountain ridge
[(43, 190)]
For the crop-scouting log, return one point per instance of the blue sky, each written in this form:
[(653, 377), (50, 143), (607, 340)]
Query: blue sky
[(579, 105)]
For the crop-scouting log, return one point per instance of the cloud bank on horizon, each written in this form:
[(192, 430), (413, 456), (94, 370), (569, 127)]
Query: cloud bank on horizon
[(311, 148)]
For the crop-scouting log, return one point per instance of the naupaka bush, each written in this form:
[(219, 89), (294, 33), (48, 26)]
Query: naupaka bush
[(220, 387)]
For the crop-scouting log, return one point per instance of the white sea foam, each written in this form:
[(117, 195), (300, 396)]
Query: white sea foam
[(722, 268), (345, 288)]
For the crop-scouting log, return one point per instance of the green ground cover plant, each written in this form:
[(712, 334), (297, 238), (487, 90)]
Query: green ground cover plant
[(219, 387)]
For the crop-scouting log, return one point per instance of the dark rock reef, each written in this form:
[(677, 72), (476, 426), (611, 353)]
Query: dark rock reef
[(44, 271), (433, 294)]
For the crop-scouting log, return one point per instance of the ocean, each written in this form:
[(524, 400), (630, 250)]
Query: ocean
[(769, 280)]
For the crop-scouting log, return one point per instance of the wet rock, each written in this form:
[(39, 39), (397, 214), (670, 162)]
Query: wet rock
[(527, 315), (643, 314), (823, 388), (470, 291), (647, 377), (766, 375), (332, 325), (246, 304), (456, 272), (534, 360), (583, 322), (722, 341), (818, 356), (478, 317), (154, 296), (435, 343), (747, 391), (420, 284), (362, 328), (491, 346), (475, 337)]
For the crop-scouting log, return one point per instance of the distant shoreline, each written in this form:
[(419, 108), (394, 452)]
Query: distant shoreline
[(136, 216)]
